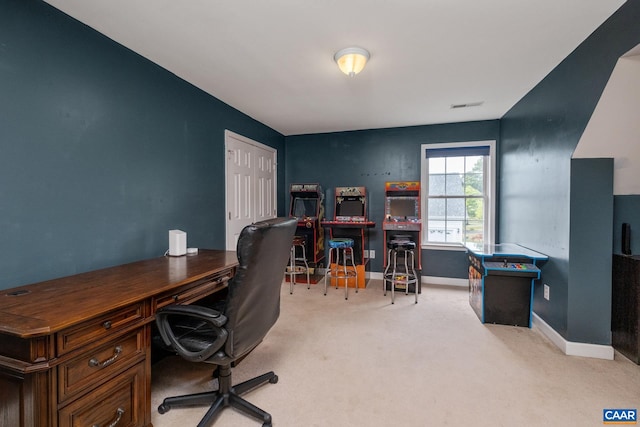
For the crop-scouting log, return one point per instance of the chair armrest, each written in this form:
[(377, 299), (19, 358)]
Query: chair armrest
[(197, 311), (199, 343)]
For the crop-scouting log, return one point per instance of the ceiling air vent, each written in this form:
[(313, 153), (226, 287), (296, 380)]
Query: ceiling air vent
[(467, 105)]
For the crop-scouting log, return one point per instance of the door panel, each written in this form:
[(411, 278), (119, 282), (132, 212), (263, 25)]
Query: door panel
[(251, 183), (265, 176)]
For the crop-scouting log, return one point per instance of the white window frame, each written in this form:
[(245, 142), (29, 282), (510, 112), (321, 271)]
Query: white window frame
[(489, 177)]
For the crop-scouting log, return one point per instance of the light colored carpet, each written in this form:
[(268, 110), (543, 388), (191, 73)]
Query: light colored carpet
[(365, 362)]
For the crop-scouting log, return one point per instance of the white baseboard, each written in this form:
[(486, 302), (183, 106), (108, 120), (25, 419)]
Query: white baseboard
[(449, 281), (596, 351), (372, 275)]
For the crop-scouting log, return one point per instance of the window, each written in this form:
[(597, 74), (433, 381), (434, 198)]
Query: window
[(458, 186)]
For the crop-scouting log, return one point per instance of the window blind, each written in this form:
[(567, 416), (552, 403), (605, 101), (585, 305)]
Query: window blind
[(481, 150)]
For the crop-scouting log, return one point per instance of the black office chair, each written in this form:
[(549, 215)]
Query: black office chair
[(202, 334)]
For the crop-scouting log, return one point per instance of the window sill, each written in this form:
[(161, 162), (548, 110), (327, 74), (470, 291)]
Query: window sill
[(457, 247)]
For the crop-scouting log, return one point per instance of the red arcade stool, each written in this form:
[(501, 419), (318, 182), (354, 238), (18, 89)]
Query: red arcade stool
[(404, 274)]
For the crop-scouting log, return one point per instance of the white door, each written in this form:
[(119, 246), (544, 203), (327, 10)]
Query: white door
[(251, 184)]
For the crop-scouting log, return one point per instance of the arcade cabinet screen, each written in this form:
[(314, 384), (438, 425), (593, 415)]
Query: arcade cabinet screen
[(403, 207), (350, 208), (305, 208)]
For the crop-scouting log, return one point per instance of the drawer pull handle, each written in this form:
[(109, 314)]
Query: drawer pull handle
[(95, 363), (119, 413), (175, 297), (107, 324)]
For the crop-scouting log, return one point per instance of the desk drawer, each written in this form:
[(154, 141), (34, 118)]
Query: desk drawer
[(120, 402), (99, 363), (192, 291), (98, 328)]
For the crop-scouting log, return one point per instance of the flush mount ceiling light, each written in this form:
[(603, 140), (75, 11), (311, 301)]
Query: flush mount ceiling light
[(351, 60)]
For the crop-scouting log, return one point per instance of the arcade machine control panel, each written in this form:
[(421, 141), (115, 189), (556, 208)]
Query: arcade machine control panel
[(511, 268)]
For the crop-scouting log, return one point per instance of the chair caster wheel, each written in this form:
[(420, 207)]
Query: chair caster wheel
[(267, 425), (163, 408), (273, 380)]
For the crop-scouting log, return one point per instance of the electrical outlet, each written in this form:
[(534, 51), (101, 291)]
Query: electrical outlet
[(366, 253), (546, 292), (372, 253)]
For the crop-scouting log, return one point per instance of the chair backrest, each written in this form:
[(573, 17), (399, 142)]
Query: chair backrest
[(253, 302)]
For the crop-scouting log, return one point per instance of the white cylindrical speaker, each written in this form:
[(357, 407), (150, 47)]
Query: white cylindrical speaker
[(177, 243)]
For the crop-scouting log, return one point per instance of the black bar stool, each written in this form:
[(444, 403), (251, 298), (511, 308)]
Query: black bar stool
[(297, 264), (404, 274)]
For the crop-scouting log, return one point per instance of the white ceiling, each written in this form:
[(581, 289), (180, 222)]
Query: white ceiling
[(273, 60)]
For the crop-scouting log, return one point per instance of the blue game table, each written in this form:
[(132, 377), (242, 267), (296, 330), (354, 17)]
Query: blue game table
[(501, 279)]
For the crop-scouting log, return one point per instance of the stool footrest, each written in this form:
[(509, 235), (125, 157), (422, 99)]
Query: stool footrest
[(401, 278), (342, 274)]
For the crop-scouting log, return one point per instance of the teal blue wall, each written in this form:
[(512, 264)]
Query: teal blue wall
[(590, 243), (101, 151), (369, 158), (538, 137)]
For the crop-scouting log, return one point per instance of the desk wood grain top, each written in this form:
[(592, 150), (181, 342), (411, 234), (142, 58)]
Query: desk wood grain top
[(47, 307)]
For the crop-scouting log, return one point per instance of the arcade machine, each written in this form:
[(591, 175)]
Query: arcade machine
[(307, 207), (350, 221), (402, 221), (501, 280)]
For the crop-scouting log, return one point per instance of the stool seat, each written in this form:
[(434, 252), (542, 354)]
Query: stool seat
[(340, 243)]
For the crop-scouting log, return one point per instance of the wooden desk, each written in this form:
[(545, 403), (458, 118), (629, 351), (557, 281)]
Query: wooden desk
[(76, 351)]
